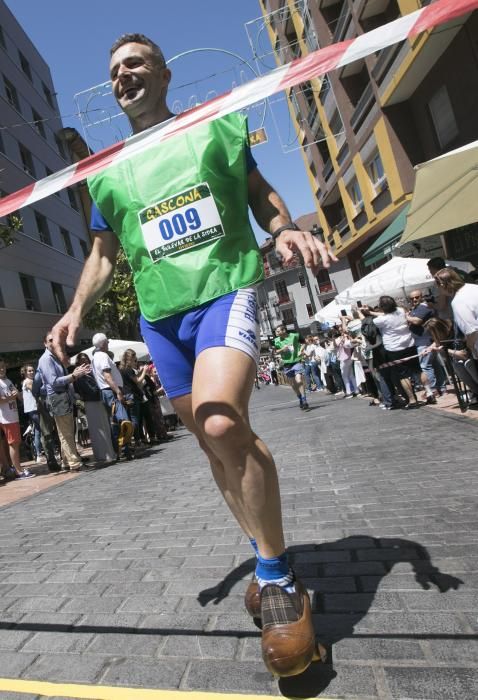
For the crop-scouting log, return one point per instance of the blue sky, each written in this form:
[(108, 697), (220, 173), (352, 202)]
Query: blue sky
[(74, 39)]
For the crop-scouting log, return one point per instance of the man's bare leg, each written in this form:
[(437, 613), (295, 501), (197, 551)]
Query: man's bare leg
[(297, 385), (246, 474), (242, 465), (183, 407)]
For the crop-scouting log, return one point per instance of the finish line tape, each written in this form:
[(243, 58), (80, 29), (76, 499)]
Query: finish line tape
[(314, 65)]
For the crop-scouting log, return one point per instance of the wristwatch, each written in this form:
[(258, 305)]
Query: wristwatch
[(287, 227)]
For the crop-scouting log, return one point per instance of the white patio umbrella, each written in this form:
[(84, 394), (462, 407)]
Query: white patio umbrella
[(118, 347), (395, 278), (331, 312), (445, 194)]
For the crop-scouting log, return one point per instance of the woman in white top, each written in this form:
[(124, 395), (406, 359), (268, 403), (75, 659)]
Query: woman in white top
[(30, 407), (399, 344), (321, 355), (464, 305), (308, 352)]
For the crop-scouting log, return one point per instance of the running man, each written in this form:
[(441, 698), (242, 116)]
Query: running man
[(287, 346), (180, 211)]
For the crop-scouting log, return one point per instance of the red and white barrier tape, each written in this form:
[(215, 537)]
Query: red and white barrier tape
[(397, 362), (311, 66)]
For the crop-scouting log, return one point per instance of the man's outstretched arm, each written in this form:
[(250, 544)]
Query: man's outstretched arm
[(271, 213), (94, 281)]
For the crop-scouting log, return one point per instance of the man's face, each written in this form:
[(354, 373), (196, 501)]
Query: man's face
[(139, 81), (415, 299), (48, 341), (281, 332), (3, 369)]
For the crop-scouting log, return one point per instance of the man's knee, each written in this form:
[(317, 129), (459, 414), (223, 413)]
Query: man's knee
[(219, 427), (223, 429)]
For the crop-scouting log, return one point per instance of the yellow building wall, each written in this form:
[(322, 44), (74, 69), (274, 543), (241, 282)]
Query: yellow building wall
[(398, 196)]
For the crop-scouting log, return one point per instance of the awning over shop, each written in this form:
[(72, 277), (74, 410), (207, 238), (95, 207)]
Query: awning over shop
[(385, 243), (445, 194)]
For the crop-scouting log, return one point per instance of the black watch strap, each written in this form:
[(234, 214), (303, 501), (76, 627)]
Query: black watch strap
[(287, 227)]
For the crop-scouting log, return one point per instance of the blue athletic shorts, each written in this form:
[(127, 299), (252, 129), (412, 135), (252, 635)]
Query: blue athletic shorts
[(291, 370), (175, 342)]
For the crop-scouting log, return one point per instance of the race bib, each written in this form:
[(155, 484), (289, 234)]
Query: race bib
[(180, 222)]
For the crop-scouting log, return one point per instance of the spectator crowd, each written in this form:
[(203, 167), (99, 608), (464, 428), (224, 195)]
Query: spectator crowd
[(401, 355), (117, 408)]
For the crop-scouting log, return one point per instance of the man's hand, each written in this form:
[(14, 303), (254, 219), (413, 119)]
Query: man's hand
[(285, 349), (313, 252), (81, 371), (64, 335), (94, 281)]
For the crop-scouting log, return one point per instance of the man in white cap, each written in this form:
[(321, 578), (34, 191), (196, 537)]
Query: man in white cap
[(109, 379)]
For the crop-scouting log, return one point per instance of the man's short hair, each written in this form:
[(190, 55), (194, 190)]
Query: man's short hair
[(387, 304), (139, 39), (436, 263)]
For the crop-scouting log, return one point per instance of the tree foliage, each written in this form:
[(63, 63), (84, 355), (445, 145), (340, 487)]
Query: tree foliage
[(116, 313), (8, 230)]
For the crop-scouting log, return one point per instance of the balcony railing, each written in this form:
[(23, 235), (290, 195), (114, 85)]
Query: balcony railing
[(343, 153), (326, 288), (280, 269), (282, 299), (313, 116), (342, 228), (385, 59), (363, 107), (343, 23), (328, 169)]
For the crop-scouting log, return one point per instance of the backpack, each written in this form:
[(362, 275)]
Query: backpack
[(369, 330), (37, 385)]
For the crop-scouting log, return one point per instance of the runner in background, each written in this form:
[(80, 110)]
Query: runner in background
[(287, 346)]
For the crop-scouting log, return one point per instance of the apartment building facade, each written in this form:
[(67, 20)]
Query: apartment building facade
[(287, 295), (363, 128), (38, 273)]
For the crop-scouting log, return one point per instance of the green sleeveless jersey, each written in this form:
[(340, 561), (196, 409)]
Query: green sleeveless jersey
[(291, 357), (180, 211)]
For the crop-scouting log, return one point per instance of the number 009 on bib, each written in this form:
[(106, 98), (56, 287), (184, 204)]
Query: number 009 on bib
[(181, 222)]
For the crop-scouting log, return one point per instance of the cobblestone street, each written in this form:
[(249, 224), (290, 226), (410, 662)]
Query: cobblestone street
[(134, 575)]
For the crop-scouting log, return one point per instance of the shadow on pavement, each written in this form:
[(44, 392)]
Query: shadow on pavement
[(366, 560), (314, 407)]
